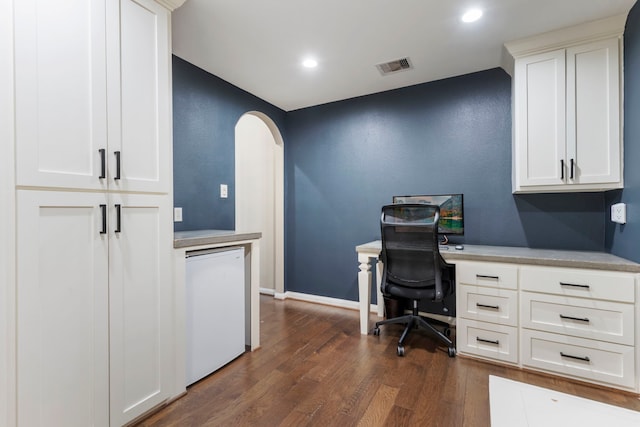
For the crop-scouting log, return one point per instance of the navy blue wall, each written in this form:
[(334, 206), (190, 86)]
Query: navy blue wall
[(344, 160), (205, 112), (622, 240), (348, 158)]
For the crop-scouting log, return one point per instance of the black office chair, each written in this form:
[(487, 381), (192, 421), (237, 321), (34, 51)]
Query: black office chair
[(413, 267)]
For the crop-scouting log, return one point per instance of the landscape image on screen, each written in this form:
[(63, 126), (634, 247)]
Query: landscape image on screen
[(451, 215)]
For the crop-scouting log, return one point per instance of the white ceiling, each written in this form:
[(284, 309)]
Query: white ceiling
[(258, 45)]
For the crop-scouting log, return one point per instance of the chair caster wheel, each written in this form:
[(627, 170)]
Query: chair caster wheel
[(451, 351), (447, 332), (376, 331), (400, 350)]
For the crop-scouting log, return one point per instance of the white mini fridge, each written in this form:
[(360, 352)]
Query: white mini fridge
[(215, 310)]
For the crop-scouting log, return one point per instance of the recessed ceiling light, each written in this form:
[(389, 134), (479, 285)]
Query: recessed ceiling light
[(472, 15), (310, 63)]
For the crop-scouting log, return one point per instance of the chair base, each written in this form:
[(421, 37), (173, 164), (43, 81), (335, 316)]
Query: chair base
[(414, 320)]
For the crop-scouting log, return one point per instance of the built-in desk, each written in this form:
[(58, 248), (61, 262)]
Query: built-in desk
[(370, 251), (566, 313)]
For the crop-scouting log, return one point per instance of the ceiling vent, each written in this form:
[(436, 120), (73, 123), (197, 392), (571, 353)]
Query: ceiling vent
[(393, 67)]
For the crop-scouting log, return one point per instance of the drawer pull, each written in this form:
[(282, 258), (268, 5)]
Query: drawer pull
[(573, 285), (579, 319), (584, 359), (493, 307), (496, 342), (483, 276)]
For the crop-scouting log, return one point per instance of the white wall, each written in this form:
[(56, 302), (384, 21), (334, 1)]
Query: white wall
[(255, 189)]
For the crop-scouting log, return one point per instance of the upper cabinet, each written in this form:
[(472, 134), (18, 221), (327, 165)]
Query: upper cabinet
[(567, 109), (92, 95)]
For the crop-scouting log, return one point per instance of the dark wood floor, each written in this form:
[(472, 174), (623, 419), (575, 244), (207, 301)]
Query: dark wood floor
[(315, 369)]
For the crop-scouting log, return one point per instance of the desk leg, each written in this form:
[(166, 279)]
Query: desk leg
[(364, 291), (380, 299)]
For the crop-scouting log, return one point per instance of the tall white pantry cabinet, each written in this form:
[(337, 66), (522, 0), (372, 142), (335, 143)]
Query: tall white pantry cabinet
[(93, 212)]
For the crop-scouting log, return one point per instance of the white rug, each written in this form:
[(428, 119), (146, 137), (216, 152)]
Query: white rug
[(515, 404)]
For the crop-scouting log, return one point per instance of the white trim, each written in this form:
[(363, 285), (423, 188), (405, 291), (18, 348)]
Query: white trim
[(353, 305), (278, 194), (334, 302), (565, 37), (267, 291), (171, 4)]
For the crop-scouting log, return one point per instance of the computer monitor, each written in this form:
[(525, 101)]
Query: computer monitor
[(451, 210)]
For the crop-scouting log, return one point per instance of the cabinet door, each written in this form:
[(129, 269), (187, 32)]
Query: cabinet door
[(62, 310), (140, 274), (593, 113), (539, 147), (60, 81), (139, 96)]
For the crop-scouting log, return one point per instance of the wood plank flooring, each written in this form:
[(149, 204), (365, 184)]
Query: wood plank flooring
[(315, 369)]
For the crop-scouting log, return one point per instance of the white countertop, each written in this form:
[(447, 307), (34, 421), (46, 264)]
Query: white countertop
[(184, 239), (519, 255)]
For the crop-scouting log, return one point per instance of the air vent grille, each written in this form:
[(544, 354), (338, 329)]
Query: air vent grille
[(396, 66)]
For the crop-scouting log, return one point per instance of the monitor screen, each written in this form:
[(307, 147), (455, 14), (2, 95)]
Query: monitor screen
[(451, 210)]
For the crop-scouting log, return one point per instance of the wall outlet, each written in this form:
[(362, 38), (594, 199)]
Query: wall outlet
[(177, 214), (224, 191), (619, 213)]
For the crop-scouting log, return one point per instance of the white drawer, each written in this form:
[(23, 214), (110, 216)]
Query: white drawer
[(607, 363), (488, 340), (586, 318), (490, 274), (606, 285), (488, 304)]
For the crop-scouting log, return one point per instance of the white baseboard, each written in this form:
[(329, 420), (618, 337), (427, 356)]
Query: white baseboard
[(351, 305), (267, 291), (317, 299)]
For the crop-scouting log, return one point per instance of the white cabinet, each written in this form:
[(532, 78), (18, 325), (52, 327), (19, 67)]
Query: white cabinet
[(60, 89), (94, 223), (63, 310), (579, 323), (94, 295), (139, 115), (93, 95), (487, 310), (567, 113), (140, 296)]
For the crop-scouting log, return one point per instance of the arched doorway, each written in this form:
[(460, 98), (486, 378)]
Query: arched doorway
[(259, 166)]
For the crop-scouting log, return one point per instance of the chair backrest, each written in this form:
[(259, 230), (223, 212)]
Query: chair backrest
[(410, 251)]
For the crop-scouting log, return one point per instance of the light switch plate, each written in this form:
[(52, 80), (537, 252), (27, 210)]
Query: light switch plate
[(619, 213), (224, 191), (177, 214)]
